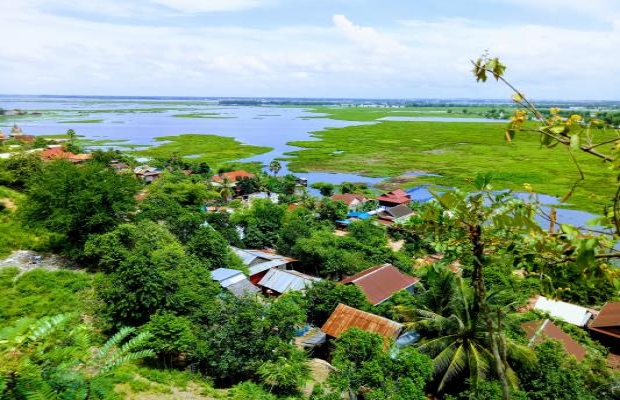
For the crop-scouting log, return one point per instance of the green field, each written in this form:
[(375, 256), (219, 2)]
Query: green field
[(212, 149), (81, 121), (201, 115), (456, 151), (374, 113)]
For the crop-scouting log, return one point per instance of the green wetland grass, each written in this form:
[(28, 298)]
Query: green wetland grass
[(212, 149), (201, 115), (456, 151), (81, 121), (375, 113)]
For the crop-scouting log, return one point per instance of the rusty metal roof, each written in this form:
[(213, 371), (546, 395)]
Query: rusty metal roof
[(381, 282), (538, 331), (344, 317), (608, 320)]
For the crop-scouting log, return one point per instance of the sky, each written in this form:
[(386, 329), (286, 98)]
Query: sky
[(554, 49)]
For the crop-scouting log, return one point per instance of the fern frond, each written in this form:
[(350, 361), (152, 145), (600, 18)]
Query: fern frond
[(134, 342), (115, 340), (44, 326), (117, 362)]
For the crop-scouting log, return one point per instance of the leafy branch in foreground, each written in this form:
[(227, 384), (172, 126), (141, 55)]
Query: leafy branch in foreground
[(592, 136)]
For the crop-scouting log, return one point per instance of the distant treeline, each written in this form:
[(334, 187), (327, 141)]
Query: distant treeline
[(249, 102)]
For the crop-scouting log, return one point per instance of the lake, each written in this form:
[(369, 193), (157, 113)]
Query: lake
[(139, 121)]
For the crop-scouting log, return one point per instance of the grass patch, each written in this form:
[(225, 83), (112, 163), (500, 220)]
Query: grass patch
[(82, 121), (200, 115), (373, 113), (456, 151), (13, 235), (38, 293), (213, 149)]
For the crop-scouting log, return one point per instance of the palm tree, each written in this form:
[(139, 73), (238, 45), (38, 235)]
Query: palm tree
[(226, 189), (275, 167), (454, 334)]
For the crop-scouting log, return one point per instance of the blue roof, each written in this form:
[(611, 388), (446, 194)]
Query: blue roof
[(359, 215), (421, 193)]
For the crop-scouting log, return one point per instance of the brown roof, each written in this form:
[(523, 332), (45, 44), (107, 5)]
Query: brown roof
[(54, 153), (608, 320), (397, 196), (381, 282), (344, 317), (538, 331), (233, 176), (398, 211), (348, 198)]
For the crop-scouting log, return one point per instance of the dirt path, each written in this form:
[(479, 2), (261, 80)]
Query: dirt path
[(27, 260)]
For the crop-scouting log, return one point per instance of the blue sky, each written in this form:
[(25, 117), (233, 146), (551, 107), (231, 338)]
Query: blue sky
[(561, 49)]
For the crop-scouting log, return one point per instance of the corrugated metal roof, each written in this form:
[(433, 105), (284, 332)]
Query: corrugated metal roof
[(258, 268), (222, 274), (281, 281), (538, 331), (243, 288), (344, 317), (381, 282), (570, 313)]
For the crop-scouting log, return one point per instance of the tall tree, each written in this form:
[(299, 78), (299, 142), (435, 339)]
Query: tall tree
[(275, 167), (76, 202)]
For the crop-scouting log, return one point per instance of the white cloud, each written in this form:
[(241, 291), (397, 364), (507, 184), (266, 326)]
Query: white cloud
[(414, 58), (365, 37), (202, 6)]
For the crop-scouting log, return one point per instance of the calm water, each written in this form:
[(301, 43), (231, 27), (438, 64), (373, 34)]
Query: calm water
[(263, 126)]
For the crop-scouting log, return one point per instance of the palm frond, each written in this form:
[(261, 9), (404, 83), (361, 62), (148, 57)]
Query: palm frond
[(434, 346), (458, 363), (479, 362)]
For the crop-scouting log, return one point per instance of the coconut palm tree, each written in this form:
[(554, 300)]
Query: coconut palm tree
[(226, 189), (454, 335)]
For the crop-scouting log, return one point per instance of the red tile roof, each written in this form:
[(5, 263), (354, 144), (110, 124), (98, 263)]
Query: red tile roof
[(538, 331), (608, 320), (54, 153), (233, 176), (349, 198), (344, 317), (381, 282), (397, 196)]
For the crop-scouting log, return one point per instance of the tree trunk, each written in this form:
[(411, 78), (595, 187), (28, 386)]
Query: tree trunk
[(481, 308)]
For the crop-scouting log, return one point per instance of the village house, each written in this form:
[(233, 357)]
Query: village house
[(277, 282), (344, 318), (395, 215), (234, 281), (571, 313), (540, 330), (606, 325), (261, 261), (232, 176), (147, 173), (58, 153), (353, 201), (394, 198), (119, 167), (273, 197), (379, 283)]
